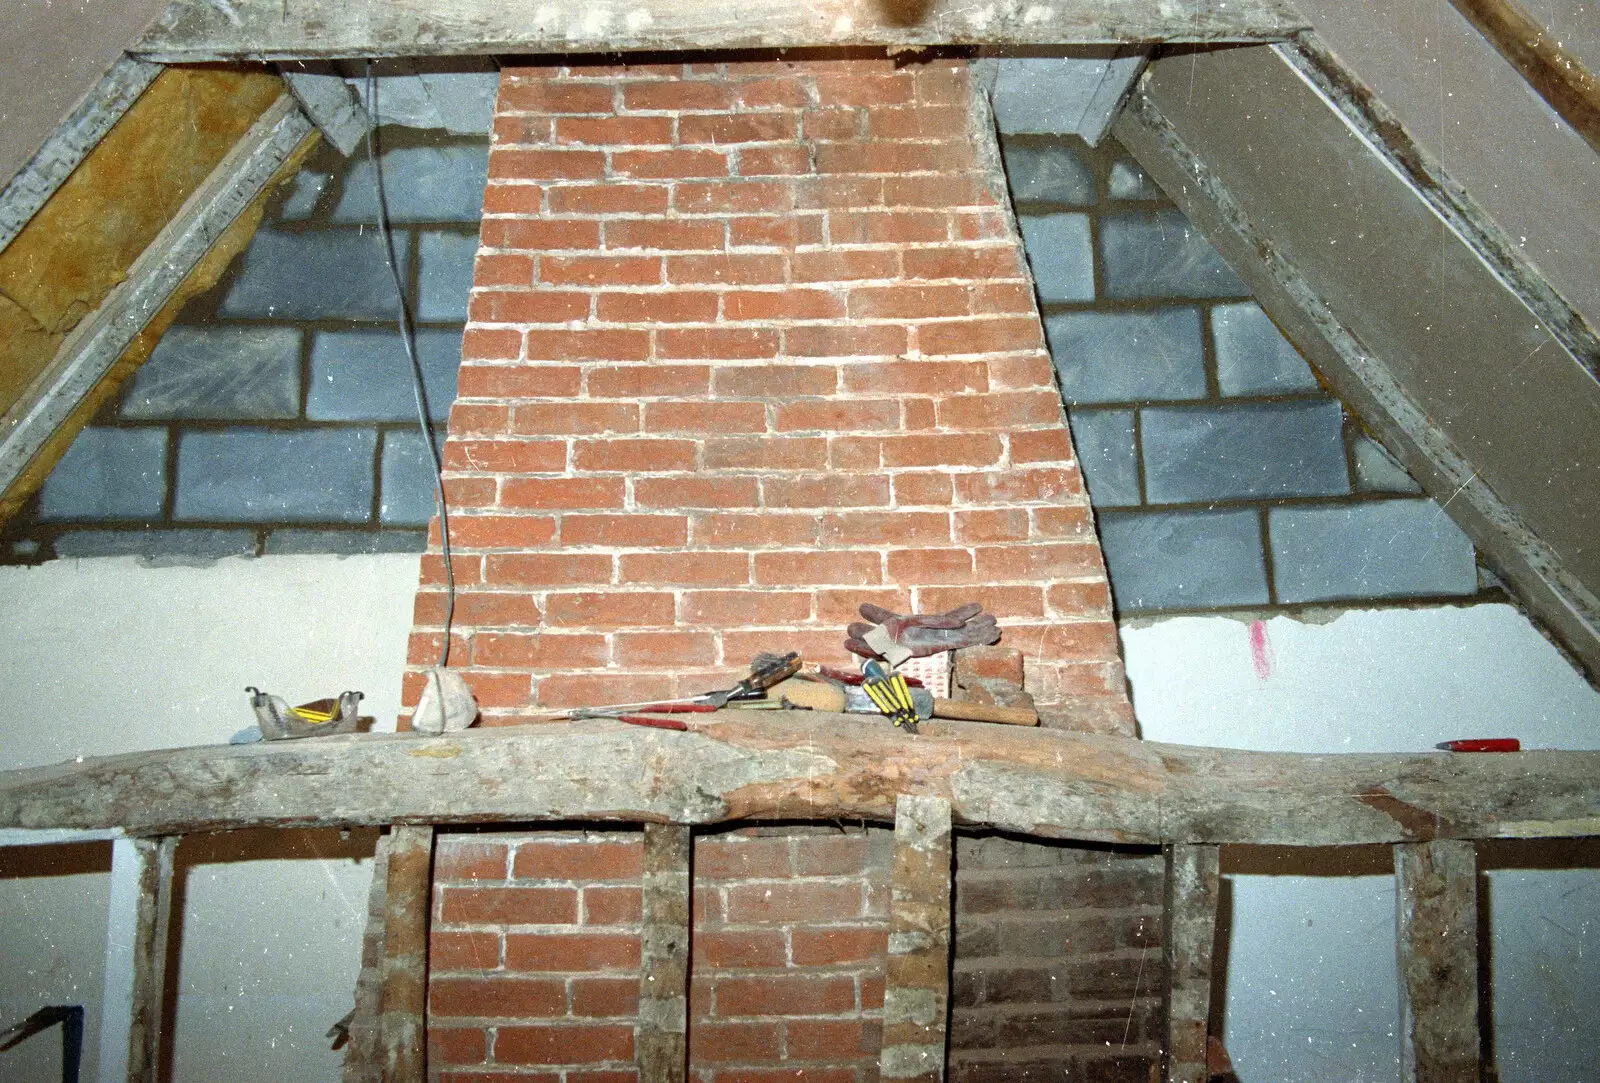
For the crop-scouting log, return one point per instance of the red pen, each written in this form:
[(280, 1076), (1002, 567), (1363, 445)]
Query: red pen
[(1482, 744), (646, 720)]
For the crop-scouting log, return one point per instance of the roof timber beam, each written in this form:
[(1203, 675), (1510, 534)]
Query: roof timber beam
[(203, 30), (820, 766)]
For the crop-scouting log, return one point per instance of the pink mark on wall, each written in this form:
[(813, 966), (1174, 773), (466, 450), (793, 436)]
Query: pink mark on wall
[(1261, 655)]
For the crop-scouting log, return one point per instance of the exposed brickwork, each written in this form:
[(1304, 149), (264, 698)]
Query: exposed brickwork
[(752, 343)]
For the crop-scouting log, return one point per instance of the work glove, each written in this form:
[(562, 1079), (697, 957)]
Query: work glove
[(922, 634)]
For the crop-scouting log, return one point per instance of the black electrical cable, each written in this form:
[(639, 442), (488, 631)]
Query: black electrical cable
[(419, 392)]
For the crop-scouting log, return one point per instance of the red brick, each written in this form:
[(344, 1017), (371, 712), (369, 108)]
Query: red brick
[(1006, 603), (674, 234), (649, 381), (780, 160), (733, 857), (601, 270), (990, 225), (696, 492), (725, 608), (480, 609), (584, 860), (508, 905), (839, 415), (471, 861), (766, 453), (468, 569), (833, 945), (676, 95), (422, 648), (575, 953), (540, 234), (491, 345), (511, 199), (942, 449), (788, 994), (738, 949), (916, 377), (569, 1044), (494, 269), (717, 343), (613, 130), (1041, 484), (784, 231), (672, 306), (604, 998), (831, 1039), (609, 609), (537, 569), (827, 491), (633, 456), (1070, 641), (784, 304), (878, 156), (917, 122), (497, 998), (759, 93), (518, 381), (711, 1043), (473, 417), (908, 302), (609, 198), (1038, 561), (833, 123), (979, 262), (592, 689), (818, 645), (1045, 445), (845, 264), (824, 568), (492, 689), (753, 531), (840, 607), (527, 306), (557, 164), (995, 334), (992, 525), (549, 97), (463, 951), (845, 340), (1068, 521), (775, 381), (588, 345), (624, 531), (865, 90), (563, 493), (730, 268), (669, 164), (886, 528), (1090, 598), (739, 128), (457, 1045), (498, 531), (930, 566), (851, 454), (575, 418), (685, 569), (612, 905), (945, 191), (654, 649), (732, 196), (470, 492), (539, 650), (916, 414)]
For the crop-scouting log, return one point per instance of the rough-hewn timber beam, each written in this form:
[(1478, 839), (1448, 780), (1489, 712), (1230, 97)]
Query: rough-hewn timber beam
[(1436, 885), (201, 30), (1188, 941), (916, 997), (136, 959), (662, 1048), (812, 765), (403, 1005)]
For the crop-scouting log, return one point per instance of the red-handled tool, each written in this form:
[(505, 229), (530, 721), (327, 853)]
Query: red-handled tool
[(1482, 744), (657, 723)]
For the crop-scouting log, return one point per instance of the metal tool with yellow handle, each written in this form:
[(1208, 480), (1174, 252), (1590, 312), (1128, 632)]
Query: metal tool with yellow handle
[(892, 695)]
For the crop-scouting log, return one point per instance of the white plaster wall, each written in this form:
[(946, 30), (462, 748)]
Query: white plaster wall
[(106, 656), (1312, 989)]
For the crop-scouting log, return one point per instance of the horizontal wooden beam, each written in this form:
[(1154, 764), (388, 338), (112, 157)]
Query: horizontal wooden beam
[(819, 766), (202, 30)]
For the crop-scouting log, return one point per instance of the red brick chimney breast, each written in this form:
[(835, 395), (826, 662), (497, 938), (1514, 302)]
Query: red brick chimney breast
[(752, 343)]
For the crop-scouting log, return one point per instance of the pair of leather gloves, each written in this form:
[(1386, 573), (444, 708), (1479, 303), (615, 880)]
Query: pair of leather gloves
[(889, 633)]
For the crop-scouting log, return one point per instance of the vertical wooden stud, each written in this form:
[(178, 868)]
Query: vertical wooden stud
[(916, 999), (1193, 887), (1436, 895), (403, 1004), (138, 924), (662, 1050)]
